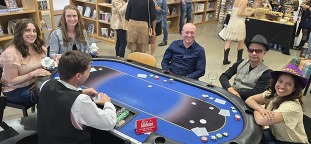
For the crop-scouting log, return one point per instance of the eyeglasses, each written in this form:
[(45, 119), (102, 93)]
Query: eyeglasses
[(257, 51)]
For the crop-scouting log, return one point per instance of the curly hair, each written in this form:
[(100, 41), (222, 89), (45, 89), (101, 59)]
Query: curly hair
[(19, 41), (297, 94), (78, 28)]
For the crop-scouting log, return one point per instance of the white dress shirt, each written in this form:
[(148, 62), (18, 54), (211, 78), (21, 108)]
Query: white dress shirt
[(84, 112)]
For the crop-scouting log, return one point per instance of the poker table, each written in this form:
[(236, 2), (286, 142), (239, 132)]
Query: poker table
[(176, 104)]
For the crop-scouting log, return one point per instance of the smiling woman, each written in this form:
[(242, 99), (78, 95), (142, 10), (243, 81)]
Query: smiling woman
[(21, 62), (70, 34)]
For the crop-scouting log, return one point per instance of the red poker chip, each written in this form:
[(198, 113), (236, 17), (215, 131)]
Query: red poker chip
[(204, 139)]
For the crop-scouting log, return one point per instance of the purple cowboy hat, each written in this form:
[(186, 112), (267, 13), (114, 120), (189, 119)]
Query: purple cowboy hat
[(293, 70)]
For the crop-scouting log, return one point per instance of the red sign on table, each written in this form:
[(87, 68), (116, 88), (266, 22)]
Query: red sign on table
[(146, 125)]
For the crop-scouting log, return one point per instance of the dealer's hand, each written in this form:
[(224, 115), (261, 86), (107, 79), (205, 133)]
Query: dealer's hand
[(90, 92), (103, 98)]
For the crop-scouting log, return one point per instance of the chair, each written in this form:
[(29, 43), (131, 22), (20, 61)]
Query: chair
[(143, 58), (307, 125), (18, 105)]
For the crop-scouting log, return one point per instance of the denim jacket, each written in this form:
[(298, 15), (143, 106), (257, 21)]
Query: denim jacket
[(57, 43)]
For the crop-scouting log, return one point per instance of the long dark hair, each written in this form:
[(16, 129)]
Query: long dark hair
[(19, 41), (78, 28), (297, 94)]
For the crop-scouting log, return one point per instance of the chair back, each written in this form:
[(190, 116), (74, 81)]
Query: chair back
[(143, 58)]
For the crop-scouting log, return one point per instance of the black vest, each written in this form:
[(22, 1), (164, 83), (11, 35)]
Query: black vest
[(54, 122)]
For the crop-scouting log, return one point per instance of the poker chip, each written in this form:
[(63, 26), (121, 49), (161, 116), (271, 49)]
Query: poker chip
[(151, 75), (171, 81), (149, 86), (164, 81), (194, 103), (191, 121), (204, 95), (234, 111), (121, 122), (211, 108), (204, 139), (219, 136), (237, 117), (156, 77), (211, 98), (202, 121), (233, 108), (213, 138), (100, 68), (225, 134)]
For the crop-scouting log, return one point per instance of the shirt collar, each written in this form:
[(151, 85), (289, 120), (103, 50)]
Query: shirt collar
[(181, 44), (68, 85)]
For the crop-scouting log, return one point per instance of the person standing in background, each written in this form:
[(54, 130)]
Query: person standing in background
[(119, 24), (139, 13), (164, 26), (161, 8), (236, 29), (185, 9)]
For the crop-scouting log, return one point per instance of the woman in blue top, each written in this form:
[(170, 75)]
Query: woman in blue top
[(70, 34)]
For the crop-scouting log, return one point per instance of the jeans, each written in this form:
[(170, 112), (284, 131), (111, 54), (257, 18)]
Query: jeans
[(164, 26), (121, 42), (268, 138), (24, 94), (185, 9)]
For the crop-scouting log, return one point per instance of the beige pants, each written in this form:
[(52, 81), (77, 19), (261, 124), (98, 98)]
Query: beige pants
[(137, 36)]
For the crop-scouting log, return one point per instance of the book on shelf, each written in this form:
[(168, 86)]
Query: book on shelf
[(197, 18), (200, 7), (90, 28), (11, 5), (210, 5), (105, 16), (1, 31), (168, 23), (42, 4), (104, 32), (44, 26), (111, 34), (94, 14), (168, 12), (11, 25), (87, 12), (174, 11), (80, 8)]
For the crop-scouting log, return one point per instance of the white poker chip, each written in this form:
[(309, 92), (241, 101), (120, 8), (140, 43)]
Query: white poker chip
[(191, 121), (211, 108), (194, 103), (202, 121), (149, 86), (100, 68), (233, 108), (211, 98), (165, 81)]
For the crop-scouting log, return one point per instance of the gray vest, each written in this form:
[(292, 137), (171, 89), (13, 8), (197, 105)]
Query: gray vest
[(246, 79)]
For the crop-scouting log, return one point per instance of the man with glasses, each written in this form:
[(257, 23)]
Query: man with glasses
[(185, 57), (251, 76)]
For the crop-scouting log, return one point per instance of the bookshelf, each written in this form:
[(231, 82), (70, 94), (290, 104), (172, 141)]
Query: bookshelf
[(45, 7), (202, 12), (27, 9), (224, 7)]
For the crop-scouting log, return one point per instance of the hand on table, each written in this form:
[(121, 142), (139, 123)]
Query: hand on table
[(103, 98), (39, 72), (90, 92), (231, 90)]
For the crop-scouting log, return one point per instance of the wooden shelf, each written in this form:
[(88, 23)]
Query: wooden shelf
[(104, 22), (172, 16), (91, 19), (199, 12), (6, 37), (83, 1), (21, 11), (105, 4)]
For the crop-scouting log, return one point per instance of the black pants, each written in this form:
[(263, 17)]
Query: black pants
[(121, 42)]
